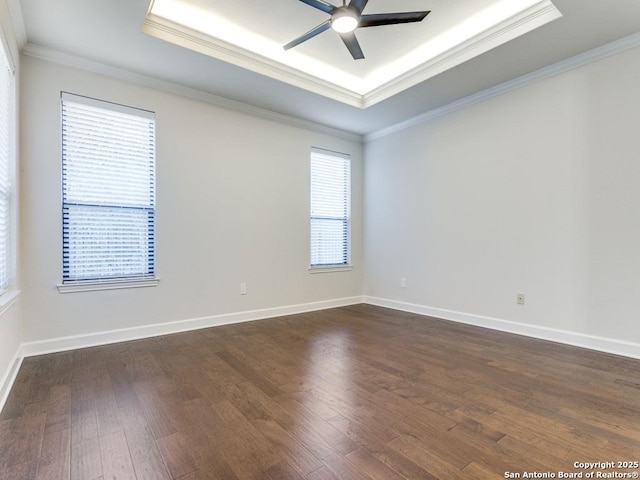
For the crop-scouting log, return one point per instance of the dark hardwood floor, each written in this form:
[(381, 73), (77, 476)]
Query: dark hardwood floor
[(355, 393)]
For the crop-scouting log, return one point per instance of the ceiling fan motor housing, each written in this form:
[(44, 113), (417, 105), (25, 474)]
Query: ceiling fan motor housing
[(345, 19)]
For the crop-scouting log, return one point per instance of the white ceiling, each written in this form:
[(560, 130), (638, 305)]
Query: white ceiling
[(110, 32), (252, 35)]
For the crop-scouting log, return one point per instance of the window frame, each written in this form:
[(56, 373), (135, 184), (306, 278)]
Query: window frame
[(9, 292), (69, 285), (331, 267)]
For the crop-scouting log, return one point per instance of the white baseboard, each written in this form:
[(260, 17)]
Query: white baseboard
[(10, 377), (609, 345), (145, 331), (602, 344)]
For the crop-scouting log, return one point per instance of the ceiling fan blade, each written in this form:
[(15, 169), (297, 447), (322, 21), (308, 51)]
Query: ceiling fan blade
[(320, 5), (378, 19), (358, 5), (352, 44), (309, 35)]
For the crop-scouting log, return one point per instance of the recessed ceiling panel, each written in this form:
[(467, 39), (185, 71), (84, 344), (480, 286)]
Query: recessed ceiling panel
[(251, 34)]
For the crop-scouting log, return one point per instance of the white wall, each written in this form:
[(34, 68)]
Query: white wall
[(535, 191), (232, 196)]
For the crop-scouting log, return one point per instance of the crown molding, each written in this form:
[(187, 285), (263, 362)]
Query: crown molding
[(186, 37), (610, 49), (13, 33), (17, 21), (515, 26), (62, 58)]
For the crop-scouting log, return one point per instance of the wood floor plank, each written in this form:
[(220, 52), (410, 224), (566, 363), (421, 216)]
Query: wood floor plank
[(56, 447), (288, 447), (54, 471), (176, 454), (23, 446), (363, 433), (248, 448), (22, 471), (352, 393), (282, 471), (499, 457), (478, 471), (157, 413), (434, 463), (401, 464), (366, 462), (322, 474), (86, 461), (145, 455), (59, 409), (207, 435), (116, 460), (250, 374)]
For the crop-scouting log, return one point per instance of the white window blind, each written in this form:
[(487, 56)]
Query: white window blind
[(108, 190), (330, 208), (5, 171)]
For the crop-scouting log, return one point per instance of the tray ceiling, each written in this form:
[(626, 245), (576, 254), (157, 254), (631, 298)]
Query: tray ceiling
[(251, 33), (105, 36)]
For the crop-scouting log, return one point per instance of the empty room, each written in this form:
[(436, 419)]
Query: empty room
[(319, 239)]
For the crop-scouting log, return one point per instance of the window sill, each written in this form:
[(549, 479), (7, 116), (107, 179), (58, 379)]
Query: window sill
[(331, 269), (7, 299), (111, 285)]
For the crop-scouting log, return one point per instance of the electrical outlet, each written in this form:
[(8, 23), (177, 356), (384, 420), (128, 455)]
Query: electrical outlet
[(403, 283), (520, 298), (243, 289)]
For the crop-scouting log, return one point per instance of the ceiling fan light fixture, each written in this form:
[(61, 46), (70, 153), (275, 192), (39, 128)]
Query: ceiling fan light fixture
[(345, 20)]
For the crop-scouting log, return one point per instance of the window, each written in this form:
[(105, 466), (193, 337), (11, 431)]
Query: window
[(330, 209), (6, 161), (108, 192)]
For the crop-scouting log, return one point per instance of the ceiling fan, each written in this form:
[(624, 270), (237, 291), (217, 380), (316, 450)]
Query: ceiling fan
[(345, 19)]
